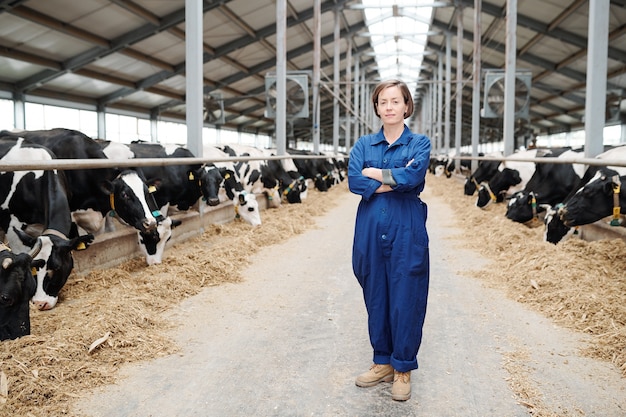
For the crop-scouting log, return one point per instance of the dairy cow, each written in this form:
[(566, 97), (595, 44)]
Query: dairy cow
[(95, 193), (38, 200), (555, 229), (601, 197), (244, 202), (17, 286), (250, 173), (311, 169), (485, 171), (512, 176), (549, 185)]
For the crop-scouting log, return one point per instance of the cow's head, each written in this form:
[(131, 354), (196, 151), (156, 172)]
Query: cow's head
[(495, 190), (555, 230), (55, 254), (152, 243), (131, 201), (17, 286), (292, 190), (523, 208), (210, 180), (231, 182), (247, 208), (595, 200), (471, 185), (273, 196)]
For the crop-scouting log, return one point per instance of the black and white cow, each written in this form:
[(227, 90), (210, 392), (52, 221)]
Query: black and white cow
[(512, 176), (603, 196), (250, 173), (95, 193), (17, 286), (311, 169), (32, 198), (549, 185), (244, 202), (484, 172), (555, 229)]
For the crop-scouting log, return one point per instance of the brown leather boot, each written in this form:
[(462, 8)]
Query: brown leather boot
[(401, 389), (376, 374)]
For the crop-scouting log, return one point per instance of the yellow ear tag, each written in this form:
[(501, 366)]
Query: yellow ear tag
[(81, 246), (33, 271), (227, 176), (191, 177), (151, 189)]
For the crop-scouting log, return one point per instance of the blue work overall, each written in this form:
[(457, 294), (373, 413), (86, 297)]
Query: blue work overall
[(390, 256)]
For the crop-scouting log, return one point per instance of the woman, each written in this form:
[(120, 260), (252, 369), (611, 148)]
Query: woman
[(390, 252)]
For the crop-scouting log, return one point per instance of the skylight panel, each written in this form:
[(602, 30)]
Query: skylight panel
[(398, 33)]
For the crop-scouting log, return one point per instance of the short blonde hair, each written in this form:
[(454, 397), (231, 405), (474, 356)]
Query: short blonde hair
[(404, 89)]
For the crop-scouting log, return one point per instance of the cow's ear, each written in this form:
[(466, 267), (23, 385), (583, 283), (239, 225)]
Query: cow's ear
[(26, 239), (107, 187), (37, 263), (154, 184), (82, 242)]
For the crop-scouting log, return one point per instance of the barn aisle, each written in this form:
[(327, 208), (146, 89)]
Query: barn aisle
[(290, 338)]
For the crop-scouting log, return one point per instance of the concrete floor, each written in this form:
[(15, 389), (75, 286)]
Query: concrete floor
[(289, 340)]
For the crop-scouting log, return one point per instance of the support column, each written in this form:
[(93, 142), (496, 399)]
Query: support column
[(595, 101), (458, 129), (336, 80), (348, 113), (476, 79), (357, 123), (509, 78), (446, 127), (317, 47), (19, 111), (281, 77), (101, 121), (193, 75)]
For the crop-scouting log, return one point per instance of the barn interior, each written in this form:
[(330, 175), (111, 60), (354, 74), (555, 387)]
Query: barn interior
[(129, 57)]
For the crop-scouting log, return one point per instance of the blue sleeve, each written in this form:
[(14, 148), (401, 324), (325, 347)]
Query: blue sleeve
[(357, 182), (412, 176)]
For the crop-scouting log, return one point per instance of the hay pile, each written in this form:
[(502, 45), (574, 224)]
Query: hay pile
[(578, 284), (111, 317)]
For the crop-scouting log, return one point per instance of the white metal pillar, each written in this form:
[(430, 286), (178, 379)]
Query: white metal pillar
[(357, 110), (446, 126), (439, 102), (458, 122), (317, 47), (281, 80), (509, 77), (101, 122), (595, 101), (336, 61), (476, 74), (348, 131), (19, 111), (193, 75)]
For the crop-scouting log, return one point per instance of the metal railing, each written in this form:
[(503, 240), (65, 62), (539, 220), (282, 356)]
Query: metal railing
[(547, 160), (69, 164)]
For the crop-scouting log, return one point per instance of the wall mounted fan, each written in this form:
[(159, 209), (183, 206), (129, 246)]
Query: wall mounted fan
[(493, 100), (297, 95), (213, 109)]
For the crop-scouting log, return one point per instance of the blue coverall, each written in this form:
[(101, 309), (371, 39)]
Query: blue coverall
[(390, 255)]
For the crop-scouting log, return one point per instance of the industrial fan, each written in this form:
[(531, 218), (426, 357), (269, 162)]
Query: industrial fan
[(213, 109), (297, 95), (494, 94)]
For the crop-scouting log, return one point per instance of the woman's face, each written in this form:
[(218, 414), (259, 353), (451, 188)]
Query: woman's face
[(391, 106)]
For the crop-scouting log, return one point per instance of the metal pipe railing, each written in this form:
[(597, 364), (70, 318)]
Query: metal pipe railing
[(547, 160), (69, 164)]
